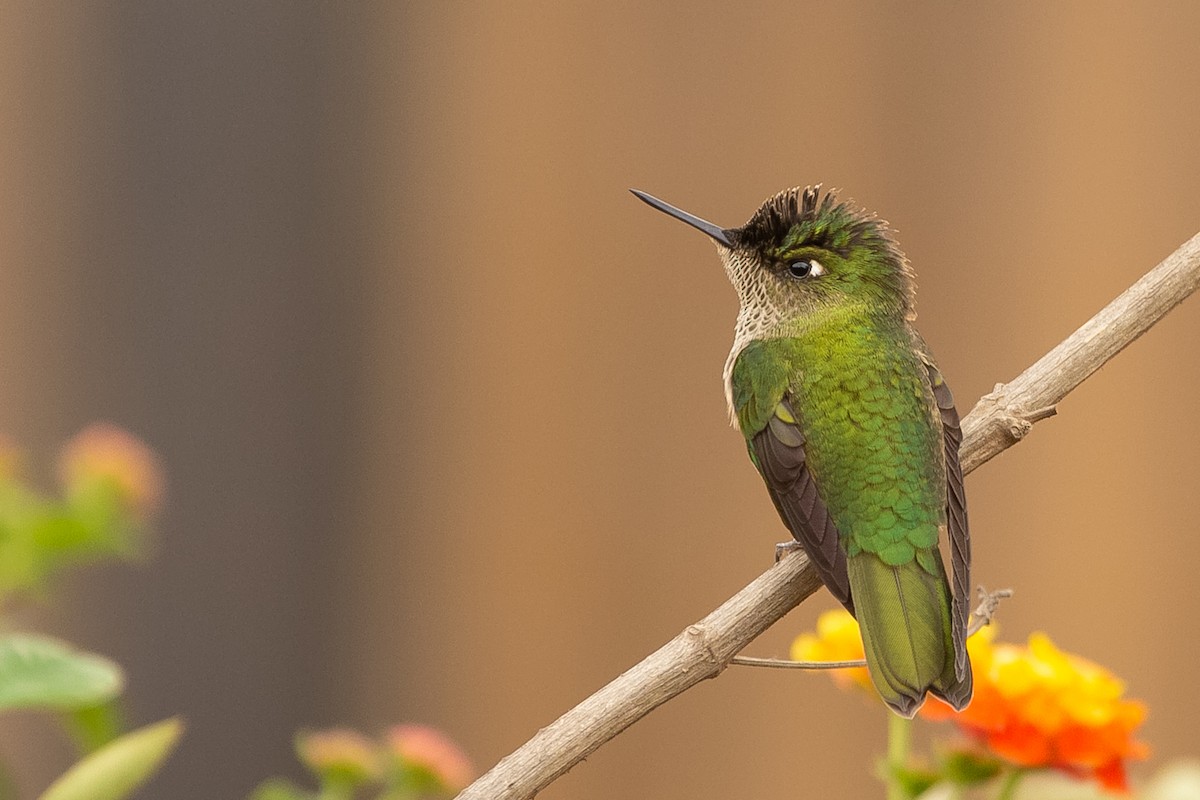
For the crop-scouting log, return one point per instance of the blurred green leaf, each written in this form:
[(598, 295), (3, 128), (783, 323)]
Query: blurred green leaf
[(21, 563), (40, 535), (94, 726), (8, 787), (913, 781), (280, 789), (969, 767), (105, 522), (114, 771), (59, 534), (40, 672)]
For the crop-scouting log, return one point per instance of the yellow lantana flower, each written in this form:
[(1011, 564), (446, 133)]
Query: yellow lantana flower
[(837, 639)]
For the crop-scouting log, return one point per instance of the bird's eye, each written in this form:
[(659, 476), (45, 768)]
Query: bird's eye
[(804, 268)]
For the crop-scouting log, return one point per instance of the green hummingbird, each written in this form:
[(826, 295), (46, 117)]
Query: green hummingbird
[(853, 429)]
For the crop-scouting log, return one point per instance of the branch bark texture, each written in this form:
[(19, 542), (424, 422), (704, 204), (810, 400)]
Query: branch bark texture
[(999, 420)]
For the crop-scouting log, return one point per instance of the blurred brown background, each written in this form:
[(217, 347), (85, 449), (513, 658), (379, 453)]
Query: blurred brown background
[(440, 400)]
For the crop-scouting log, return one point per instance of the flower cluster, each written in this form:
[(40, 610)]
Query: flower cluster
[(112, 484), (436, 762), (103, 454), (345, 756), (1034, 705), (408, 761)]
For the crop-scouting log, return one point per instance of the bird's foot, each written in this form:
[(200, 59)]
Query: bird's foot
[(783, 548)]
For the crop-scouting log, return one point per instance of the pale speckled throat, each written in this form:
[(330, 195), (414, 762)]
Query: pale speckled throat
[(762, 313)]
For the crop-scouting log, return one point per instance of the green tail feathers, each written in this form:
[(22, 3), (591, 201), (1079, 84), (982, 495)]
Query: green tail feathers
[(904, 614)]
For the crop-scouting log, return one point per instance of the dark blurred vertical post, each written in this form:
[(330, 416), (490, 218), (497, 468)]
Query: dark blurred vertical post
[(182, 258)]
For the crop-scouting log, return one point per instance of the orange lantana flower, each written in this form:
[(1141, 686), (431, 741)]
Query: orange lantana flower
[(1033, 705), (1038, 706)]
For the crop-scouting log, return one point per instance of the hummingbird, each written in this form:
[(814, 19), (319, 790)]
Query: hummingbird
[(853, 429)]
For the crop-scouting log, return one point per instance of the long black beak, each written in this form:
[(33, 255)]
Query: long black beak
[(702, 225)]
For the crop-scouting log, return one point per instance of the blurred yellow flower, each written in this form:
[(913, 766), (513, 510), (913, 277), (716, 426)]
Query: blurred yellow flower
[(339, 753), (430, 752), (837, 639), (1033, 706), (104, 452)]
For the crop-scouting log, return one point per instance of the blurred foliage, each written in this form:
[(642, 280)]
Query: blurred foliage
[(110, 488), (43, 673), (119, 767), (408, 762)]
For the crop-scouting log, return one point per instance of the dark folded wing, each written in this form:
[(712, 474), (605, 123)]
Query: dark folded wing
[(778, 451), (956, 516)]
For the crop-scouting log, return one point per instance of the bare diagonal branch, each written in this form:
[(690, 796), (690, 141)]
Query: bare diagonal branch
[(999, 420), (1003, 417)]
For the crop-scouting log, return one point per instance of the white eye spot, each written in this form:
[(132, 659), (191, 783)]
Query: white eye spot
[(803, 268)]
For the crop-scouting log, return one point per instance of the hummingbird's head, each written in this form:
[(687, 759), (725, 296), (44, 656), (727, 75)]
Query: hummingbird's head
[(802, 251)]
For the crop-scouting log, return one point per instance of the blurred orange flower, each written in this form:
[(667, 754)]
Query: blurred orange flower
[(104, 452), (1034, 705), (442, 764)]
